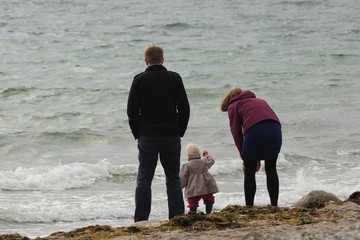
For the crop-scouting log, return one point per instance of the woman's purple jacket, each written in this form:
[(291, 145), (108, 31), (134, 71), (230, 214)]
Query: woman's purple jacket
[(244, 111)]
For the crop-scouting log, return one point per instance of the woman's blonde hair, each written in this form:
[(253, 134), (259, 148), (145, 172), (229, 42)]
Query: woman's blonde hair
[(227, 97), (193, 150)]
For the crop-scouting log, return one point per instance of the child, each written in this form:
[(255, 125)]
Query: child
[(196, 179)]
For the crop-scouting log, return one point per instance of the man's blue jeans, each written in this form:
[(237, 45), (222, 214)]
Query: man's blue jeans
[(168, 149)]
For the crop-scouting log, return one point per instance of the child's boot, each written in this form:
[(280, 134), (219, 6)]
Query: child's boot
[(192, 211), (208, 206)]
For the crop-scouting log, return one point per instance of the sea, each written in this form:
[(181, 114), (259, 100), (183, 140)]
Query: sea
[(67, 155)]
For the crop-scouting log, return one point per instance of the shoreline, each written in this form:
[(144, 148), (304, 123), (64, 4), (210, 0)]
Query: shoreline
[(331, 220)]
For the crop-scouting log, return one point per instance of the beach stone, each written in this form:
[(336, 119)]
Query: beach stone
[(354, 197), (316, 199)]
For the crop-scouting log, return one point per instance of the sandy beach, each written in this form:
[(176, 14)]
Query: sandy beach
[(340, 222)]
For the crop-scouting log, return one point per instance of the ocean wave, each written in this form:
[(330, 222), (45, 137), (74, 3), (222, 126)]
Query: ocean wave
[(123, 170), (7, 92), (352, 153), (67, 208), (185, 26), (60, 115), (353, 31), (300, 3), (342, 55), (54, 178), (211, 91), (226, 167), (233, 166), (73, 135), (300, 159), (54, 92), (177, 25), (65, 141)]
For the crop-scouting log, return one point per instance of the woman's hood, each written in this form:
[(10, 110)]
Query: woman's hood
[(242, 95)]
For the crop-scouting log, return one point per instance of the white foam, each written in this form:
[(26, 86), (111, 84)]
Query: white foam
[(74, 175), (123, 169), (65, 207), (226, 167)]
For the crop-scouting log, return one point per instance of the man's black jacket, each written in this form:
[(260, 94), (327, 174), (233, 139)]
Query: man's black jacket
[(158, 105)]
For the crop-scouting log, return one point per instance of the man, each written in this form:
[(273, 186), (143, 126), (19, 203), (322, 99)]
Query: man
[(158, 111)]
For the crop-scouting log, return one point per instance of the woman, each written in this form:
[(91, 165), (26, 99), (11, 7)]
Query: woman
[(257, 134)]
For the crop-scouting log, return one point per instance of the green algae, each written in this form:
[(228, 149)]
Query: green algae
[(233, 216), (15, 236)]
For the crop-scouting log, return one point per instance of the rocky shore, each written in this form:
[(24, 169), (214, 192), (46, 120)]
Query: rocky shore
[(319, 215)]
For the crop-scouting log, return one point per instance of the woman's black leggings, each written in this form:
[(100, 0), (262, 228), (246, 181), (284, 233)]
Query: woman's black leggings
[(272, 181), (262, 142)]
